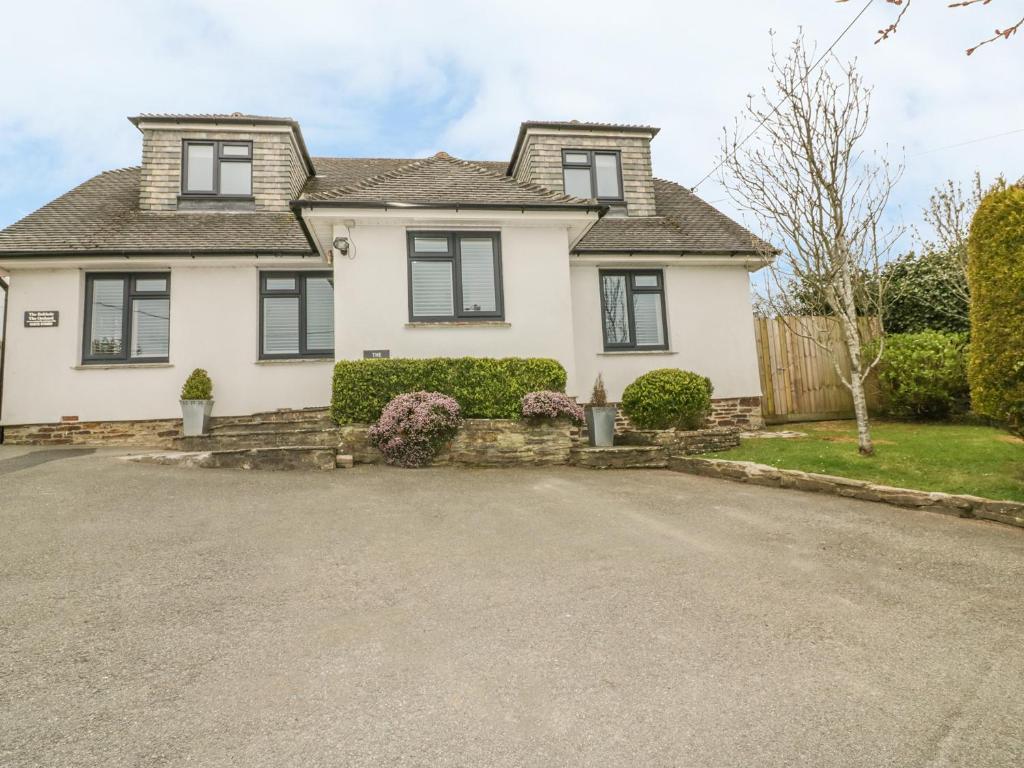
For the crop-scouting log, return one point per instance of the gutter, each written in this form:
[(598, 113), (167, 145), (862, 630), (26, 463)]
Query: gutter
[(397, 206), (135, 252), (667, 252), (3, 346)]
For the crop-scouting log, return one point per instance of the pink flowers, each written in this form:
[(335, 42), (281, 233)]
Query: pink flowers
[(413, 427), (551, 405)]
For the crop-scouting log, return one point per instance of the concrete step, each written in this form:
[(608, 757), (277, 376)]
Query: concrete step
[(291, 457), (273, 437), (620, 457)]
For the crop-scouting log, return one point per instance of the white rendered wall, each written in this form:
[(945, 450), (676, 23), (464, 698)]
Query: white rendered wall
[(371, 300), (710, 331), (214, 325)]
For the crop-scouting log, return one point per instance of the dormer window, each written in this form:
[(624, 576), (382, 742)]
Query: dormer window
[(591, 173), (220, 168)]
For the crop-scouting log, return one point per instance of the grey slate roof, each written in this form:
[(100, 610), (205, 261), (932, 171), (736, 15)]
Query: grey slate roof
[(441, 180), (102, 215), (684, 224)]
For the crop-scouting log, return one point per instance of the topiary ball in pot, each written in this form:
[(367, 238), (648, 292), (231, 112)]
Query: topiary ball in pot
[(196, 403), (668, 398)]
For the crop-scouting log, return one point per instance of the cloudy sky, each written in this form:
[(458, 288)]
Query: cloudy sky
[(407, 79)]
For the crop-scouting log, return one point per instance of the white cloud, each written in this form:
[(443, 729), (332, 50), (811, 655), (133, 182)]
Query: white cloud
[(410, 77)]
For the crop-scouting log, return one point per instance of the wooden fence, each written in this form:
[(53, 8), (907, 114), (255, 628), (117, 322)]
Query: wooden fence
[(798, 379)]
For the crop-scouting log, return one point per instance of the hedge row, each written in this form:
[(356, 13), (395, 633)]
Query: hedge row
[(485, 388), (995, 270)]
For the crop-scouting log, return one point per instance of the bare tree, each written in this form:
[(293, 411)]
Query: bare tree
[(904, 5), (821, 199)]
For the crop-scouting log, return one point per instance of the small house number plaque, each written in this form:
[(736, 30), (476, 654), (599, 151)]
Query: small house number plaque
[(42, 318), (376, 354)]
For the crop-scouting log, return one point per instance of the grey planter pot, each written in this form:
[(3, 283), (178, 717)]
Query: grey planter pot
[(195, 417), (601, 425)]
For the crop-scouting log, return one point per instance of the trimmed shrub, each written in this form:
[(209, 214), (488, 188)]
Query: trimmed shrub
[(414, 426), (551, 405), (923, 375), (198, 386), (995, 261), (668, 398), (485, 388)]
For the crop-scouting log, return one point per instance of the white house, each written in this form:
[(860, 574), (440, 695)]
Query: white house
[(232, 249)]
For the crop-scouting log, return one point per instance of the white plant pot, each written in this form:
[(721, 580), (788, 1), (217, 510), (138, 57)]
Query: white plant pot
[(195, 417), (601, 425)]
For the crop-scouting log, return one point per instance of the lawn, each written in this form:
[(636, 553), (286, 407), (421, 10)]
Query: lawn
[(932, 457)]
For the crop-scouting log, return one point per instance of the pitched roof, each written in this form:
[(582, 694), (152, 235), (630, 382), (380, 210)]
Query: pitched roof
[(102, 216), (684, 224), (438, 181)]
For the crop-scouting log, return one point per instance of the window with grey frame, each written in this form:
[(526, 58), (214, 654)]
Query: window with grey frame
[(455, 276), (592, 173), (296, 315), (216, 168), (127, 318), (633, 309)]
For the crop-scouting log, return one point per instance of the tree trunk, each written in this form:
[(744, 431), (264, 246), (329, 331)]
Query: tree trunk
[(860, 407), (851, 335)]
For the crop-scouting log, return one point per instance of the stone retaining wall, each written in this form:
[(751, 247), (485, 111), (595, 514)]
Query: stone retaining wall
[(483, 443), (158, 433), (742, 412), (684, 442), (960, 505)]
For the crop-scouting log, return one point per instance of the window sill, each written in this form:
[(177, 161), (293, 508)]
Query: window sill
[(111, 366), (225, 198), (460, 324), (293, 360), (618, 352)]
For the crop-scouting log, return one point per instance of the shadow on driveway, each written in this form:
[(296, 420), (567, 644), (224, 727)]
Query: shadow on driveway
[(35, 458)]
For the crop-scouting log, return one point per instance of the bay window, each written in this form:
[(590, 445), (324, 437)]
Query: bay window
[(454, 276), (633, 309), (127, 318), (296, 315)]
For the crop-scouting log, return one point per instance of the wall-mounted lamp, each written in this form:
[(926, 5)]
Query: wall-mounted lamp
[(344, 246)]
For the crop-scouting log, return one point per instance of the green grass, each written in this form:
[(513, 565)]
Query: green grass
[(930, 457)]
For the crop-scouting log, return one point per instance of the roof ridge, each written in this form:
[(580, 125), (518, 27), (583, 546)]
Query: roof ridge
[(367, 184), (369, 181), (504, 177)]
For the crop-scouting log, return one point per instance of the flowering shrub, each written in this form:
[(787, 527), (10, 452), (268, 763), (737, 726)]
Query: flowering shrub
[(551, 405), (414, 426)]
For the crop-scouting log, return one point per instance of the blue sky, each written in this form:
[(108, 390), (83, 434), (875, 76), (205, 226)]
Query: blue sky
[(408, 79)]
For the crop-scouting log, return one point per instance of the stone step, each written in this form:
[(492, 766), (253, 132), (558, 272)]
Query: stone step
[(251, 427), (276, 437), (285, 416), (291, 457), (621, 457)]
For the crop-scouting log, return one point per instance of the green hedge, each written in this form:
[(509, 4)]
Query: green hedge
[(995, 270), (923, 375), (668, 398), (485, 388)]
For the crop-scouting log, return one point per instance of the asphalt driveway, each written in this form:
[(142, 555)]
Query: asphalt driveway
[(155, 616)]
